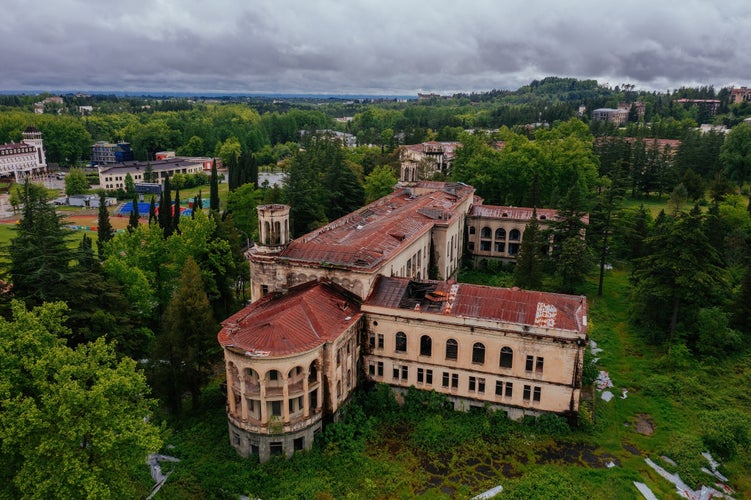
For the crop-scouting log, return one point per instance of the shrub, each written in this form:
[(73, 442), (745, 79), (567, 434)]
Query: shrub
[(725, 432)]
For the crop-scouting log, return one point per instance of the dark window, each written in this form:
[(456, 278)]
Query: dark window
[(539, 364), (507, 357), (264, 290), (291, 404), (371, 369), (380, 368), (530, 363), (276, 408), (455, 380), (484, 246), (499, 247), (276, 448), (401, 342), (313, 399), (478, 353), (509, 389), (405, 372), (471, 229), (426, 345), (472, 383), (513, 248), (371, 340), (299, 443), (537, 394), (338, 357), (445, 380), (498, 388), (452, 348), (485, 233), (471, 245), (236, 438), (527, 392), (500, 234), (429, 376), (481, 385), (514, 235), (396, 372), (420, 375), (254, 449), (273, 375), (380, 341)]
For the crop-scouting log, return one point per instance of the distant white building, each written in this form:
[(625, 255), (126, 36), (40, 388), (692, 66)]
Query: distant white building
[(25, 158)]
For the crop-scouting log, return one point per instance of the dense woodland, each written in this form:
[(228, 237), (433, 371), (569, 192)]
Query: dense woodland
[(675, 224)]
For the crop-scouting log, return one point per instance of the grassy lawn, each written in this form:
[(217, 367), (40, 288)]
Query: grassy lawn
[(459, 455)]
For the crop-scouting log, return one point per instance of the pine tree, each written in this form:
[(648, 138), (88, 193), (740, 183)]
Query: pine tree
[(214, 189), (105, 231), (197, 204), (528, 269), (134, 216), (188, 339), (165, 209)]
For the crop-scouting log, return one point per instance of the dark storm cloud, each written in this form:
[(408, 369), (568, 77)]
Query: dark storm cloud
[(368, 46)]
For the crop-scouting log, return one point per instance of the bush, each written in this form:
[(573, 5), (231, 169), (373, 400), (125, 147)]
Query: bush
[(552, 424), (725, 432)]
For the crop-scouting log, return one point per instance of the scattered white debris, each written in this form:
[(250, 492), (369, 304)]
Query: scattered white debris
[(603, 380), (593, 348), (595, 360), (156, 471), (705, 493), (624, 392), (610, 464), (668, 460), (607, 396), (489, 494), (645, 491), (714, 464)]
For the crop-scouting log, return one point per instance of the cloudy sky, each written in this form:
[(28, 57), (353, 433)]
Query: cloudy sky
[(369, 46)]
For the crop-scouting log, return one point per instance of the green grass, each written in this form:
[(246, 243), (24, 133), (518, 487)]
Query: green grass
[(456, 455)]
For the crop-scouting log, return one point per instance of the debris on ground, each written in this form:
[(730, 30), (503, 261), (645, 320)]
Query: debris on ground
[(713, 464), (603, 380), (645, 491), (705, 492), (607, 396), (668, 460), (156, 471), (593, 348), (623, 393), (610, 464), (489, 494)]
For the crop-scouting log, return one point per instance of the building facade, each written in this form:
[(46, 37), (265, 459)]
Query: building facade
[(356, 297), (25, 158), (104, 153), (739, 95), (113, 176), (615, 116)]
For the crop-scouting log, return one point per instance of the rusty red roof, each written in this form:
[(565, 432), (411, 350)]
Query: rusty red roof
[(373, 234), (298, 321), (509, 305)]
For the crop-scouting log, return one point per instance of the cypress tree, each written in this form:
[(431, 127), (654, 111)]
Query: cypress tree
[(134, 215), (528, 269), (176, 213), (214, 189), (197, 204), (165, 209), (105, 231), (152, 210)]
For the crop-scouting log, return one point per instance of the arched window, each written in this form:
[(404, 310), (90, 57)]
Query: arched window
[(507, 357), (500, 234), (452, 349), (478, 353), (426, 346), (401, 342), (485, 233), (313, 372), (514, 235)]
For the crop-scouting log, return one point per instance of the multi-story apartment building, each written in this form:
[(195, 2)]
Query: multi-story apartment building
[(103, 153), (25, 158), (615, 116), (357, 291), (739, 95), (113, 176)]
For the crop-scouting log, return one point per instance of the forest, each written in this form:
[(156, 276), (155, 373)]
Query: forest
[(108, 348)]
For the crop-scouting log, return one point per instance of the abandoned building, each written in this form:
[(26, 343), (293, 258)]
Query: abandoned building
[(371, 295)]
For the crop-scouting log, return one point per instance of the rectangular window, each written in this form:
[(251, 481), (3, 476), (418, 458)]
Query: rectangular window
[(380, 368), (420, 375), (455, 380), (236, 438), (273, 375), (537, 394), (498, 388), (380, 341), (292, 406), (277, 448), (509, 389), (276, 408), (481, 385), (484, 246), (371, 369), (396, 373), (338, 357), (472, 383), (299, 443), (539, 364), (371, 340), (429, 377), (530, 363), (445, 380), (405, 372), (264, 290), (527, 392)]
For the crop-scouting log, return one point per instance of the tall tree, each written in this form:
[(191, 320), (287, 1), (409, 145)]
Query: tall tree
[(188, 341), (73, 422), (105, 231), (152, 210), (176, 213), (76, 182), (214, 189), (610, 195), (165, 209), (379, 182), (133, 221), (528, 269), (735, 153)]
